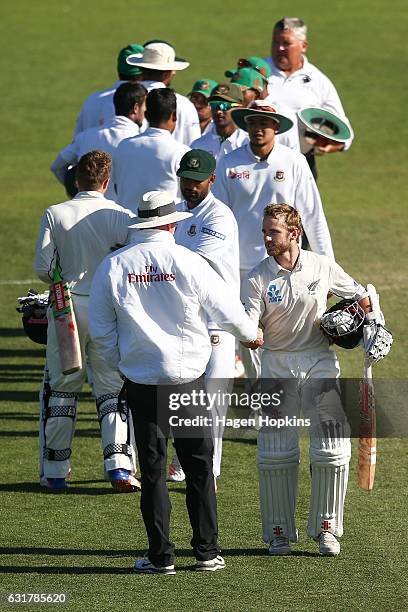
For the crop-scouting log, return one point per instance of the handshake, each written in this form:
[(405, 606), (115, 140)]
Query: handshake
[(254, 344)]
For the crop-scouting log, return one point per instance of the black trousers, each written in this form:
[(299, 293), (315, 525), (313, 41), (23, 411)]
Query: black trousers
[(149, 405)]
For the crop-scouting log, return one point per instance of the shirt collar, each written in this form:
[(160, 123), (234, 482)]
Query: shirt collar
[(124, 121), (153, 131), (305, 69), (150, 235), (257, 160), (149, 85), (279, 269), (88, 194)]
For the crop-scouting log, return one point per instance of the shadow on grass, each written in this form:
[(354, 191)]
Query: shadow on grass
[(73, 488), (79, 433), (21, 353), (11, 332)]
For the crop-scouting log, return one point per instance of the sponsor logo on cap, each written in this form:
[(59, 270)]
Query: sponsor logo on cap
[(204, 85), (279, 176), (222, 89)]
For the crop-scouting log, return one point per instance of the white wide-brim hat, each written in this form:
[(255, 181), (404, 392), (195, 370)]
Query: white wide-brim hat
[(157, 56), (157, 208)]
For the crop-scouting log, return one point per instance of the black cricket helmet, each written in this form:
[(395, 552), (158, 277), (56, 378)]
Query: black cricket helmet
[(343, 323)]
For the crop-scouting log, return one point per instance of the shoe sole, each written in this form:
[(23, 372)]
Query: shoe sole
[(123, 486), (201, 568), (153, 571)]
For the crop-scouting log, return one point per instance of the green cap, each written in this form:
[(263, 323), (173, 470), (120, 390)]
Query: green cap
[(204, 87), (255, 62), (125, 68), (248, 78), (228, 92), (196, 164)]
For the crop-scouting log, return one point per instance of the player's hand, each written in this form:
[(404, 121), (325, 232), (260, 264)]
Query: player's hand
[(332, 147), (255, 343)]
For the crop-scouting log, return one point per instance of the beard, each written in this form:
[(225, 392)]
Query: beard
[(275, 250)]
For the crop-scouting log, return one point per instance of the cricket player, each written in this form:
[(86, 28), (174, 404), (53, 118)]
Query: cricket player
[(212, 232), (75, 236), (150, 160), (150, 303), (98, 109), (263, 172), (199, 94), (129, 102), (158, 65), (286, 294)]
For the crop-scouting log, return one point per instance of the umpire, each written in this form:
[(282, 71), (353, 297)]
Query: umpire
[(150, 302)]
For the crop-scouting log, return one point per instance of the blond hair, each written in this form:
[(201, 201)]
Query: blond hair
[(289, 215)]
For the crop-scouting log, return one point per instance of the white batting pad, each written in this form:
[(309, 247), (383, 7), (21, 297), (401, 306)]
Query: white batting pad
[(278, 466), (57, 427), (329, 458), (115, 424)]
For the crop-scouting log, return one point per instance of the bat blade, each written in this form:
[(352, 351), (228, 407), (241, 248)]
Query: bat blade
[(66, 328), (367, 444)]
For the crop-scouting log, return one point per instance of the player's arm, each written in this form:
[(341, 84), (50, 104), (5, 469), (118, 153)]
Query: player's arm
[(222, 306), (103, 322), (252, 300), (69, 156), (45, 250)]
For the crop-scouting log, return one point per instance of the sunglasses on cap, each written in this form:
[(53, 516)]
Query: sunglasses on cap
[(222, 106)]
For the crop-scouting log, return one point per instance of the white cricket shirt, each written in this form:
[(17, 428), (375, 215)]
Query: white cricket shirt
[(149, 304), (188, 124), (289, 304), (247, 185), (217, 146), (95, 139), (81, 231), (97, 110), (308, 86), (145, 163), (212, 232)]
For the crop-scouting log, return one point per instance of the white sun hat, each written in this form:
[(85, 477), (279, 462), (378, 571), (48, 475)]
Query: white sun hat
[(157, 208), (157, 56)]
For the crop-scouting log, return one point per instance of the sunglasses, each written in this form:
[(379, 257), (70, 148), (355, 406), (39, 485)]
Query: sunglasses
[(222, 106)]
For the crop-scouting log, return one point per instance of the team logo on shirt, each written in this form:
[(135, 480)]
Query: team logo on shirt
[(193, 163), (215, 339), (313, 286), (274, 294), (279, 176), (192, 230)]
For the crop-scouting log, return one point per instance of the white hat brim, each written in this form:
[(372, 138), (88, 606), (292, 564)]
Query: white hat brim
[(142, 223), (137, 60)]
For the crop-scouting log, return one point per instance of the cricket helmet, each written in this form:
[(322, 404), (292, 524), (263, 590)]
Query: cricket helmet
[(343, 323), (35, 322)]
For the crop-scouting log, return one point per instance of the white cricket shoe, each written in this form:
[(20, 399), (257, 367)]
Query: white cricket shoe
[(328, 544), (175, 472), (212, 565), (145, 566), (279, 546)]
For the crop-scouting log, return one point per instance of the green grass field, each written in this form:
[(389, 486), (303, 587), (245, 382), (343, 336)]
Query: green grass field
[(84, 543)]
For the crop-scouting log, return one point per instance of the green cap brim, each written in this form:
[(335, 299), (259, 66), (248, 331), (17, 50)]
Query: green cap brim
[(239, 114), (318, 120), (195, 176)]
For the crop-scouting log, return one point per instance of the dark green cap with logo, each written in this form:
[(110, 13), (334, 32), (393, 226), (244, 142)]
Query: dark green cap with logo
[(124, 68), (228, 92), (196, 164)]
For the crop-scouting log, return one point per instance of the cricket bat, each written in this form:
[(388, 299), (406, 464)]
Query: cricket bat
[(367, 445), (65, 325)]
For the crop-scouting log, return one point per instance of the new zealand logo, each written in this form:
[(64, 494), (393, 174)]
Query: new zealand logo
[(192, 231), (274, 294), (279, 176), (313, 286)]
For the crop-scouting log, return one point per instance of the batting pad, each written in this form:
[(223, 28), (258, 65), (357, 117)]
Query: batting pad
[(118, 452), (278, 466), (58, 419), (329, 460)]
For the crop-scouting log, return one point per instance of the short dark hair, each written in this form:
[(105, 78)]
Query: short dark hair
[(160, 104), (149, 74), (126, 96), (93, 169)]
